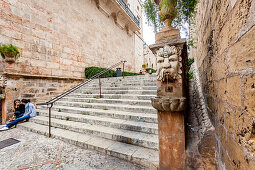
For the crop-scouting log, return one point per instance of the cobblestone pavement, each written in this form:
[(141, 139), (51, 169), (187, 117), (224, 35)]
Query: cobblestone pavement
[(40, 152)]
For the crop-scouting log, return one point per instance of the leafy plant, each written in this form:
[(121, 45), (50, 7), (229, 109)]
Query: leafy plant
[(9, 51), (91, 71), (59, 110), (191, 75), (144, 65), (106, 109), (67, 118), (190, 62), (151, 10)]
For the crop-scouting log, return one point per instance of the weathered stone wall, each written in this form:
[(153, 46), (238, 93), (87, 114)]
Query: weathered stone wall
[(38, 89), (225, 35), (63, 37), (201, 142)]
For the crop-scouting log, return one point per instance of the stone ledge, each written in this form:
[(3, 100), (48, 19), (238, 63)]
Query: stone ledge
[(175, 41), (17, 75)]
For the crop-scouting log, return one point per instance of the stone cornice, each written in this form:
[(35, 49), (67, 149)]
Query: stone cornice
[(112, 8), (176, 41)]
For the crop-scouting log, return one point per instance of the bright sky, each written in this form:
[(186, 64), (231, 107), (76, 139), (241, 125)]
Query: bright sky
[(148, 34)]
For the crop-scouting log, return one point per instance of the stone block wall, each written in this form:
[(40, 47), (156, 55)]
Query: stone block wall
[(63, 37), (201, 142), (38, 89), (225, 35)]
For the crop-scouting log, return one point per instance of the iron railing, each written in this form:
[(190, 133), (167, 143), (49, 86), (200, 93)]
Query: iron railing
[(52, 101), (130, 13)]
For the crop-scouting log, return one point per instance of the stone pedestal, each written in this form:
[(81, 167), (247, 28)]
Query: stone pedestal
[(171, 131), (172, 86), (165, 35), (171, 141)]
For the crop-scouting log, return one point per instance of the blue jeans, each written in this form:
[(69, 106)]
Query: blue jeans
[(9, 125)]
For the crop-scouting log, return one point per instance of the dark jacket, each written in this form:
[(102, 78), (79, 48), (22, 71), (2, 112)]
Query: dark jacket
[(19, 111)]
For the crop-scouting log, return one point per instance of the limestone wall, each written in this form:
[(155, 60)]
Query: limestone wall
[(63, 36), (38, 89), (224, 53)]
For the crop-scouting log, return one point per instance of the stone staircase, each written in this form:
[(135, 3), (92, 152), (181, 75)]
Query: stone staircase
[(122, 123)]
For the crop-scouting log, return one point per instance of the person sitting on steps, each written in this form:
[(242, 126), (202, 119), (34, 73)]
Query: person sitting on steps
[(30, 111), (19, 109)]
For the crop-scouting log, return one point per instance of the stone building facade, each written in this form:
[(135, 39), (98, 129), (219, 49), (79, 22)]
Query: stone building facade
[(58, 39), (224, 32), (149, 57)]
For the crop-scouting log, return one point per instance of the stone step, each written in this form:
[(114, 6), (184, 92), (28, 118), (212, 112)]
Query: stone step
[(113, 96), (142, 92), (105, 106), (128, 78), (110, 101), (143, 156), (119, 84), (141, 117), (96, 81), (137, 126), (121, 135), (88, 88)]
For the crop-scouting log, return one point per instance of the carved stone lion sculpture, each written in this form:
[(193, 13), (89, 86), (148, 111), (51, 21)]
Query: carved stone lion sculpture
[(168, 64)]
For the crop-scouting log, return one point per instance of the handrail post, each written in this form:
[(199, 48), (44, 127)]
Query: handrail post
[(100, 95), (50, 119), (123, 69)]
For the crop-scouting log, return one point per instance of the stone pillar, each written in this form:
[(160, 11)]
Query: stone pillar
[(171, 57)]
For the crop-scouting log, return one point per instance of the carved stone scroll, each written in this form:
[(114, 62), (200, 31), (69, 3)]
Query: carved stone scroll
[(169, 104)]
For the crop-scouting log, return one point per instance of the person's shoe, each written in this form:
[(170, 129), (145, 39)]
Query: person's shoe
[(4, 128)]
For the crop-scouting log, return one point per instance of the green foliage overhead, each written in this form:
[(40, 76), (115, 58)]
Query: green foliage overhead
[(151, 11), (10, 51), (184, 10), (91, 71)]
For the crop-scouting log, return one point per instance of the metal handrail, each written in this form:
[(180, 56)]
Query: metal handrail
[(130, 13), (52, 101)]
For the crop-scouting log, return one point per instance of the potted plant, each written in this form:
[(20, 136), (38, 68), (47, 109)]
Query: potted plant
[(144, 66), (9, 53)]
